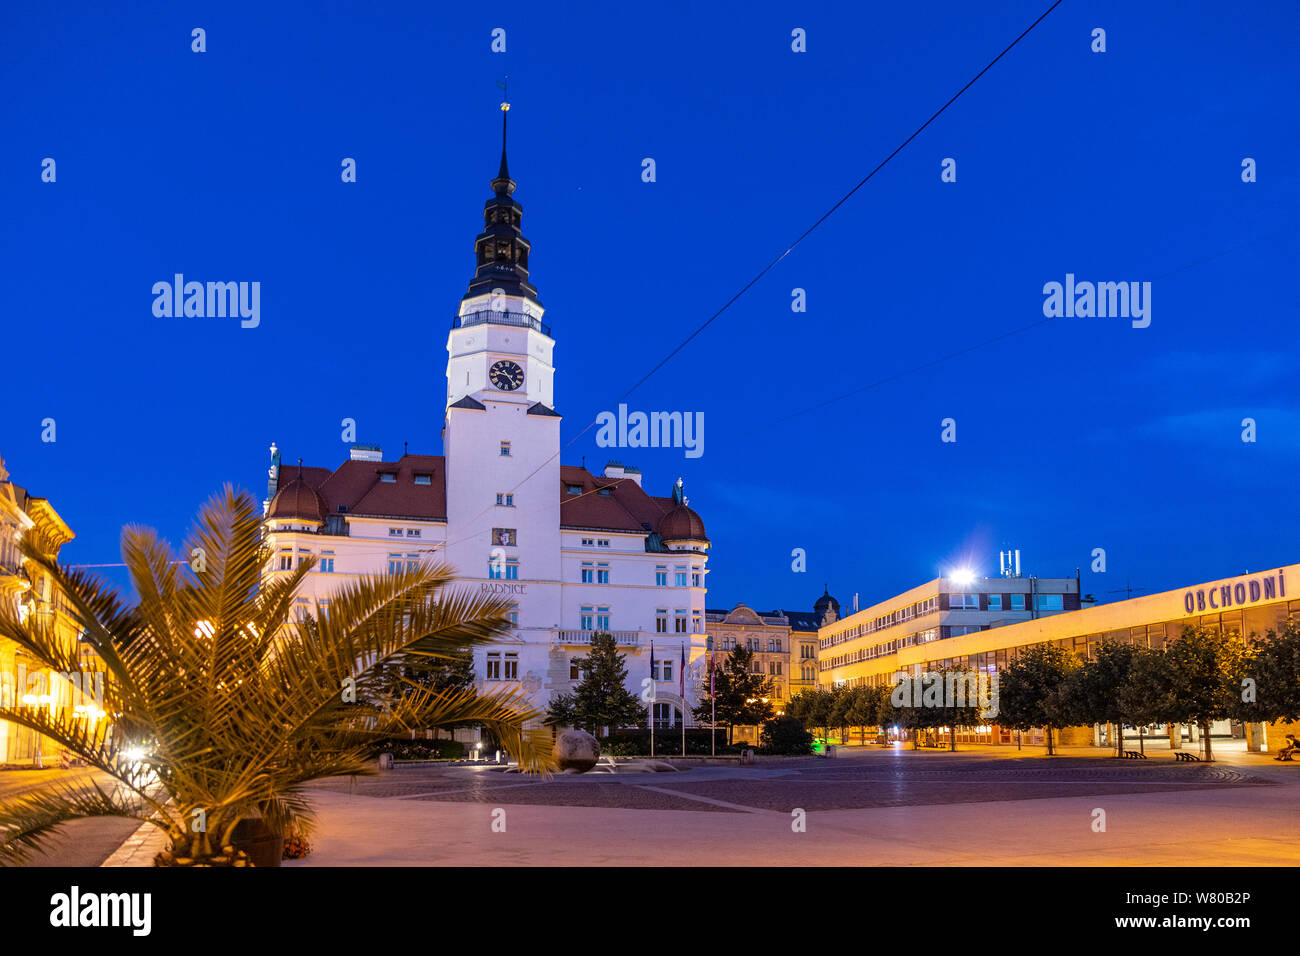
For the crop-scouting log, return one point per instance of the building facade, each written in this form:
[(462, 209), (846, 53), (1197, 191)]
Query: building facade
[(1246, 605), (24, 681), (575, 551), (856, 650)]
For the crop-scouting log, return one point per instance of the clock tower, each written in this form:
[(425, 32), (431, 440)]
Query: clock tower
[(501, 437), (498, 347)]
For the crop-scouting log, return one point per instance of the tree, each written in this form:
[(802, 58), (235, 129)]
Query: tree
[(1144, 697), (1032, 690), (741, 697), (863, 708), (1275, 668), (234, 702), (1094, 689), (601, 698), (813, 709), (1205, 672)]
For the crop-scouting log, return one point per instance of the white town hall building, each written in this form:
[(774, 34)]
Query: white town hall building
[(575, 552)]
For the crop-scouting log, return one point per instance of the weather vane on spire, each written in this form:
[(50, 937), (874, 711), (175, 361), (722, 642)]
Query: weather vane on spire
[(505, 93)]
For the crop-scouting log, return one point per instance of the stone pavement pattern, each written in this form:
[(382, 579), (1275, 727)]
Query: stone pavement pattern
[(867, 807)]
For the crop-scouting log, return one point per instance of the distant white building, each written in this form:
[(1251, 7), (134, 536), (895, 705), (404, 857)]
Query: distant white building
[(576, 552)]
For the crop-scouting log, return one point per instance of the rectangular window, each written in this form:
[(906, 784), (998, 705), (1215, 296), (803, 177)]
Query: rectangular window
[(412, 532), (696, 577), (587, 618), (588, 573), (505, 500), (574, 489), (668, 668), (512, 667), (778, 668), (513, 614), (679, 576), (388, 477), (695, 622), (1048, 602), (303, 555), (394, 532), (412, 562), (424, 479), (602, 542), (286, 560), (573, 671), (661, 576), (771, 646), (995, 602), (493, 670), (394, 563), (602, 574), (512, 569), (505, 449), (324, 606), (588, 542), (326, 562), (661, 620), (778, 645), (681, 620), (602, 619), (1017, 602), (970, 602)]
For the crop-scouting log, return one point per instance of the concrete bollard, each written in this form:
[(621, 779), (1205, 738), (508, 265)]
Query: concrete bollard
[(385, 761), (746, 757)]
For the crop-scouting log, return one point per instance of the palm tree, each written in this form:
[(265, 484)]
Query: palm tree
[(221, 705)]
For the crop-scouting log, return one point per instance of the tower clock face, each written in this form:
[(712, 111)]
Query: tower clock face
[(506, 376)]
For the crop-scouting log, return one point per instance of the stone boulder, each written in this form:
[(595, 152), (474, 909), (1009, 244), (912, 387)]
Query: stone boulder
[(576, 751)]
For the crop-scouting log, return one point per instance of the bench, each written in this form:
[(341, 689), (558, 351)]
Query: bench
[(1133, 754), (1186, 757)]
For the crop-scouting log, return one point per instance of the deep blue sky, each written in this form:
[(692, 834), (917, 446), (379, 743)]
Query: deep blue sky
[(1077, 434)]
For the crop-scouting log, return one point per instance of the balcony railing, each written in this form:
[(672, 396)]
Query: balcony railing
[(518, 319), (583, 638)]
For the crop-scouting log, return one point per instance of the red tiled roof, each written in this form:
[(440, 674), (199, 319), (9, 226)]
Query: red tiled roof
[(357, 487), (626, 508)]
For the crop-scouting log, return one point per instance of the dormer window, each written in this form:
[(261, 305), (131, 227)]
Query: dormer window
[(605, 492), (388, 477), (424, 479), (574, 489)]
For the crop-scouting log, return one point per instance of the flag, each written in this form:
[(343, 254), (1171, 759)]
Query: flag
[(653, 675), (681, 677)]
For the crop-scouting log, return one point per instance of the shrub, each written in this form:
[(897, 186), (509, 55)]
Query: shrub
[(403, 749), (785, 735)]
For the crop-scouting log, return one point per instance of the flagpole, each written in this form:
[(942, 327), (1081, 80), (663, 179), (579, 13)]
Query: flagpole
[(652, 698), (681, 686), (713, 714)]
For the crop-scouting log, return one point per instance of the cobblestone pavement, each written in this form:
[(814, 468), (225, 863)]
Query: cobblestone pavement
[(869, 780), (862, 808)]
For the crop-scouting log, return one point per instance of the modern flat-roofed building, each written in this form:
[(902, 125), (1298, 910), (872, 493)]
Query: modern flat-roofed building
[(928, 633), (857, 650)]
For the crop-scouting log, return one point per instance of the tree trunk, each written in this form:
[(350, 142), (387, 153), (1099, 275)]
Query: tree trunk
[(1048, 731), (952, 737), (1205, 732)]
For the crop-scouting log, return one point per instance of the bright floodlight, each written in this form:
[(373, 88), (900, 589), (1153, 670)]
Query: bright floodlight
[(962, 576)]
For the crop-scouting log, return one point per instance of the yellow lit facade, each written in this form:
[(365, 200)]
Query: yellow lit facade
[(23, 681)]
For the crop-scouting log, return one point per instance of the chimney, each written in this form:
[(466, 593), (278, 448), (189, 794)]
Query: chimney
[(616, 469)]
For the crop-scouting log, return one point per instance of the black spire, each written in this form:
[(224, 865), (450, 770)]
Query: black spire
[(500, 250)]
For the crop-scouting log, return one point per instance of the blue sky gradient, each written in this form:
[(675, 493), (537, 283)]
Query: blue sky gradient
[(1072, 435)]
